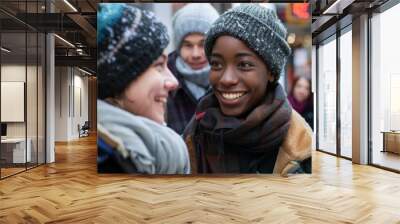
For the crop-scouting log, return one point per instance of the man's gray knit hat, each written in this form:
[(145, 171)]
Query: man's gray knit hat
[(129, 40), (192, 18), (259, 28)]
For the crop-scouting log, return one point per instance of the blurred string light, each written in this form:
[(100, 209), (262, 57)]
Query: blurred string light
[(291, 38), (301, 10)]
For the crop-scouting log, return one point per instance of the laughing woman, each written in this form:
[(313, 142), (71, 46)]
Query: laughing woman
[(245, 124), (133, 86)]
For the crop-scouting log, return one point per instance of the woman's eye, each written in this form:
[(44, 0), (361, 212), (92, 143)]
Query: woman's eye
[(245, 65), (215, 65)]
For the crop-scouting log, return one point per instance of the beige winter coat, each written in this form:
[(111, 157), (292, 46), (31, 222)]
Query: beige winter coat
[(296, 147)]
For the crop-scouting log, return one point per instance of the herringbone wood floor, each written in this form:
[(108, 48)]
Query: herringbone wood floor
[(70, 191)]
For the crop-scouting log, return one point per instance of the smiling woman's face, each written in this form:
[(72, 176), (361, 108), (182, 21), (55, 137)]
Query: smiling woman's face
[(147, 95), (238, 76)]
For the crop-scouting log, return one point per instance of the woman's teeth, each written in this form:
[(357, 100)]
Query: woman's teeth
[(232, 96)]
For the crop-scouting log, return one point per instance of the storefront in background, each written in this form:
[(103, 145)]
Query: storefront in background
[(358, 83)]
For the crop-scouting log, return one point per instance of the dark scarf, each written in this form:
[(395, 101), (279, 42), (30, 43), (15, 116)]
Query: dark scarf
[(300, 107), (230, 144)]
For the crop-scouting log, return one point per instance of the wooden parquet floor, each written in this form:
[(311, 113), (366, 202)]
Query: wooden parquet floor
[(10, 171), (71, 191)]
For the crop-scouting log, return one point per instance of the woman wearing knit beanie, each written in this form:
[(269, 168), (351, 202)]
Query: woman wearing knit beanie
[(133, 86), (245, 124), (188, 62)]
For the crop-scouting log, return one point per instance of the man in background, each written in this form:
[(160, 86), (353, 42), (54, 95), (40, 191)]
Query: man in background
[(188, 62)]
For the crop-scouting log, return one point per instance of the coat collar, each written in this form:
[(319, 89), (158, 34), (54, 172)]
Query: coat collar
[(296, 147)]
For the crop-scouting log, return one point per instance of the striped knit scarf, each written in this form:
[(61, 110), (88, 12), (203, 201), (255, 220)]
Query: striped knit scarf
[(259, 133)]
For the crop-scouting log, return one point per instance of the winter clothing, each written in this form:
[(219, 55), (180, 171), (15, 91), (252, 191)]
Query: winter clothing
[(192, 18), (295, 152), (193, 84), (293, 156), (129, 40), (197, 81), (271, 138), (181, 103), (149, 146), (305, 109), (226, 144), (259, 28), (298, 106), (108, 159)]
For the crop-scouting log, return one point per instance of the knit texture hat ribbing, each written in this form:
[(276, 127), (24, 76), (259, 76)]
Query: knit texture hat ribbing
[(192, 18), (259, 28), (129, 40)]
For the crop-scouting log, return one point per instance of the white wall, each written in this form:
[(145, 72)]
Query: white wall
[(71, 94), (16, 73), (82, 83), (61, 103), (33, 126), (12, 101)]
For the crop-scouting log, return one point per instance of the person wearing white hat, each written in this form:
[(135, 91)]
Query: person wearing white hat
[(188, 62)]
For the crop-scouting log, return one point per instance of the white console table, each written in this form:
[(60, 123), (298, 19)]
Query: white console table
[(18, 149)]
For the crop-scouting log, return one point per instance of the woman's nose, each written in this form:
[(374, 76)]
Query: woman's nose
[(170, 82), (229, 77)]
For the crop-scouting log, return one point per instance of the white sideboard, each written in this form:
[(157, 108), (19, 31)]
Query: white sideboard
[(18, 148)]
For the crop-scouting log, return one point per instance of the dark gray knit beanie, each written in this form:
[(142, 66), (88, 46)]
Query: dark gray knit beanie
[(129, 40), (259, 28)]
